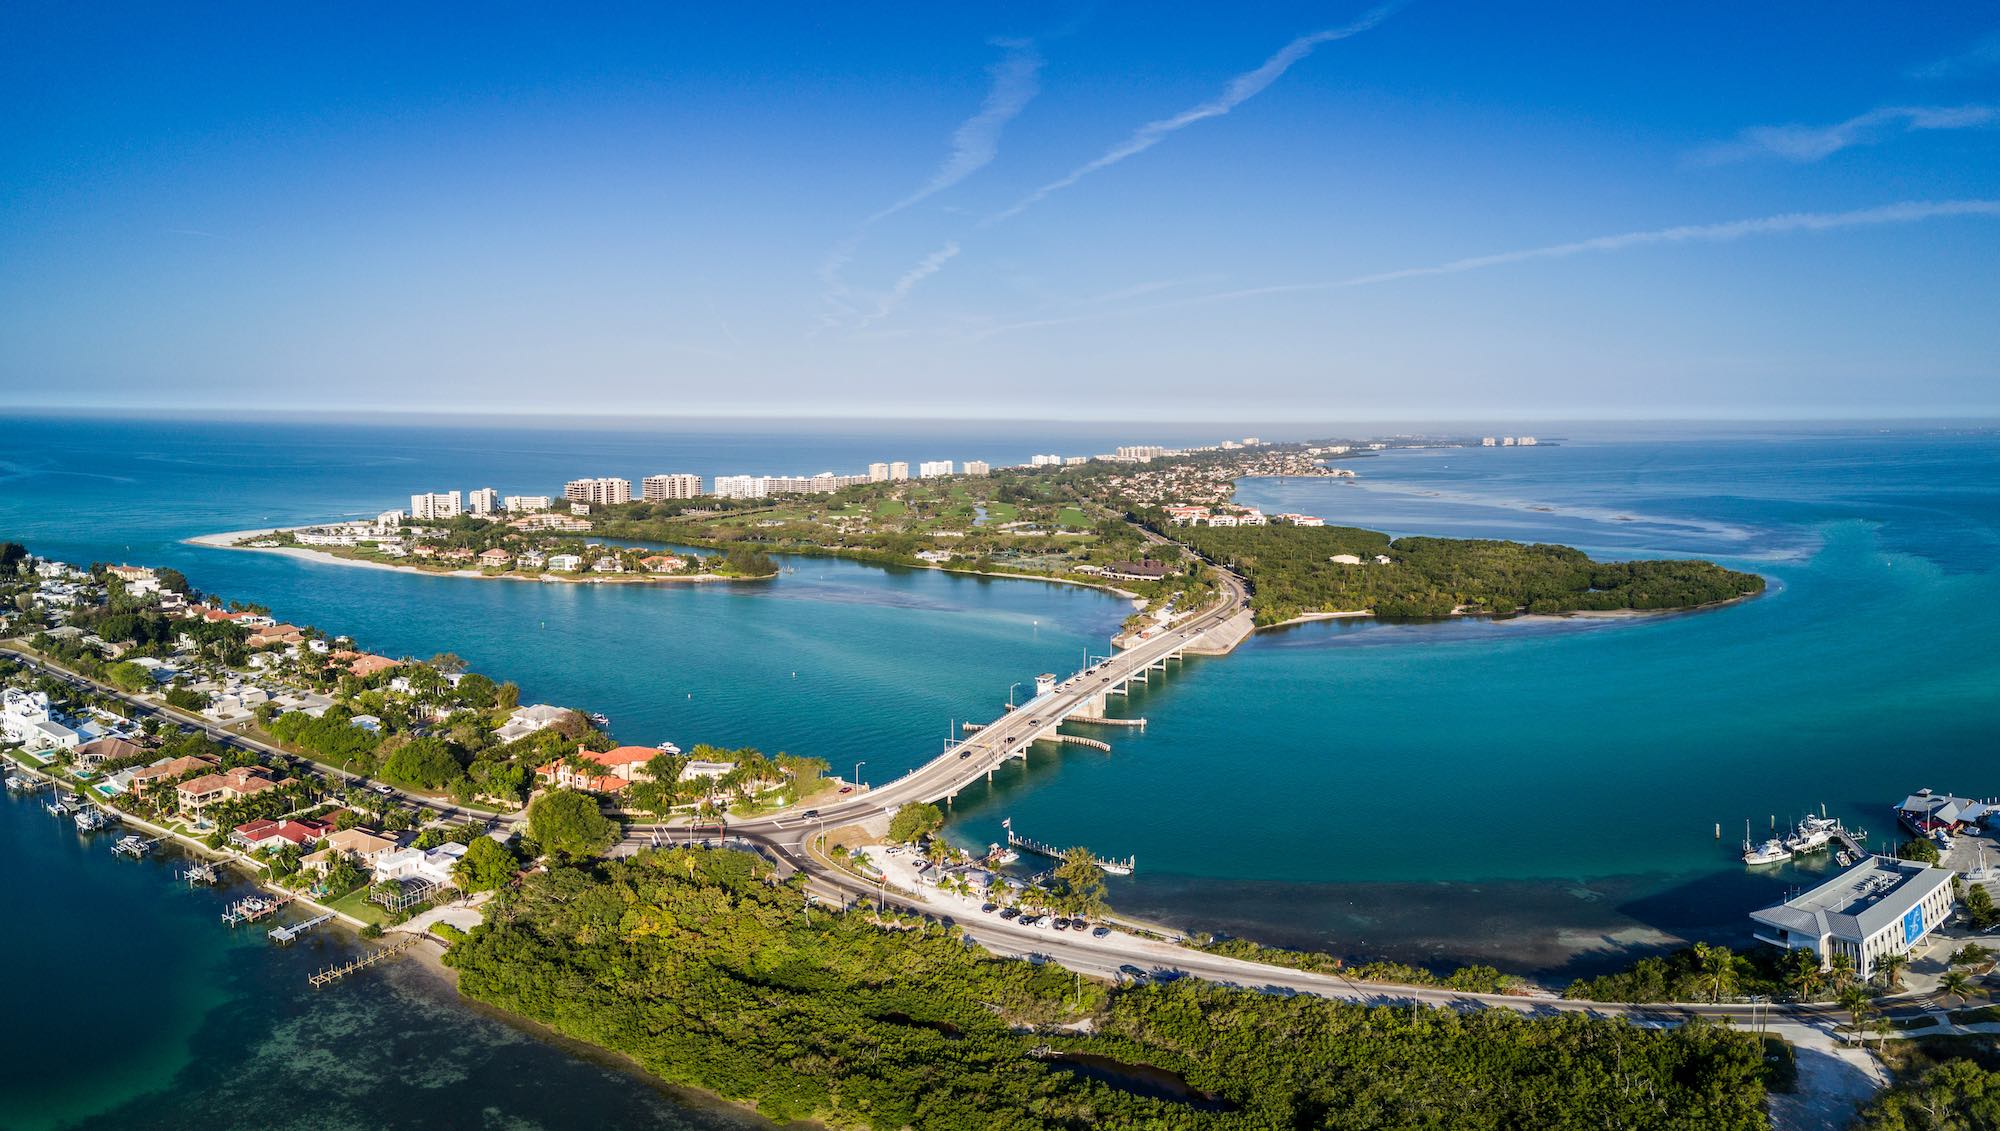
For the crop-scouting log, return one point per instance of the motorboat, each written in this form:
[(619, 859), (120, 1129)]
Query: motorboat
[(1813, 834), (1772, 851)]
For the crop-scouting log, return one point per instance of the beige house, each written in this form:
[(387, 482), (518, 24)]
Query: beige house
[(366, 846)]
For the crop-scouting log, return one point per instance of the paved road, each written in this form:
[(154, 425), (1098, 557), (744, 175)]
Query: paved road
[(143, 709)]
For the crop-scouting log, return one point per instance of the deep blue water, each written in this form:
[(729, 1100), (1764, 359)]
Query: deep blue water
[(1540, 795)]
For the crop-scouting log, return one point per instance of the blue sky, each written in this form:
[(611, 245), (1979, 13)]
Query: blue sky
[(1431, 210)]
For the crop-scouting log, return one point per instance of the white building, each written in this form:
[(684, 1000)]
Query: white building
[(435, 505), (1075, 461), (1880, 906), (604, 491), (660, 488), (899, 471), (1488, 442), (527, 720), (1141, 453), (978, 467), (1044, 461), (482, 501), (739, 487), (878, 473), (934, 469), (565, 563), (524, 504), (388, 522)]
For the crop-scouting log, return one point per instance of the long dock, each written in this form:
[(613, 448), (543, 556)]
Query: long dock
[(1079, 740), (1123, 867), (333, 974), (287, 934), (252, 908), (1105, 721)]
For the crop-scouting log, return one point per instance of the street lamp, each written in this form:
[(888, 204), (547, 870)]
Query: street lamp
[(1010, 693), (857, 772)]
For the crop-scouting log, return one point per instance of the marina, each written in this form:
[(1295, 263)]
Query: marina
[(1111, 867)]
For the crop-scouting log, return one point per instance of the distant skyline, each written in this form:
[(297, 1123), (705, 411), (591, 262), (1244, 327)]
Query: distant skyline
[(1400, 212)]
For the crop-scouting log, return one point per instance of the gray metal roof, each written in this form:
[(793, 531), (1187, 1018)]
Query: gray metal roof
[(1858, 902)]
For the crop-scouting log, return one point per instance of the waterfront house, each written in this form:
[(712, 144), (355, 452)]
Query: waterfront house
[(565, 563), (1148, 570), (697, 768), (229, 785), (91, 755), (495, 558), (527, 720), (362, 665), (616, 769), (608, 564), (1880, 906), (265, 835), (167, 770), (365, 846), (662, 563), (533, 559), (273, 635)]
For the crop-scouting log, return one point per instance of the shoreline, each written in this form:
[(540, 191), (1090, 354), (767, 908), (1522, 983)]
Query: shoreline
[(1530, 618), (228, 539)]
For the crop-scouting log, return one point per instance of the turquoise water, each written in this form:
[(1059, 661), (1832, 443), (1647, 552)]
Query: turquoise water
[(128, 1004), (1540, 795)]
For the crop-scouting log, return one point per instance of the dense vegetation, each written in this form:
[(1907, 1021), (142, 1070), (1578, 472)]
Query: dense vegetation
[(1292, 572), (1938, 1084), (714, 976)]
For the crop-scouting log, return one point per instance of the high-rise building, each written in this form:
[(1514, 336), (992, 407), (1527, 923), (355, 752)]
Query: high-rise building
[(524, 504), (1075, 461), (739, 487), (1488, 442), (899, 471), (435, 505), (660, 488), (978, 467), (878, 473), (934, 469), (482, 501), (1045, 461), (604, 492)]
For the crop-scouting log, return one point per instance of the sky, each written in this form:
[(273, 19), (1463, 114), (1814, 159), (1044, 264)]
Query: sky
[(1417, 211)]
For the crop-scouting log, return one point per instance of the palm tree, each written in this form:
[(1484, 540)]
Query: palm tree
[(1891, 967), (1855, 1000), (1959, 984), (1717, 967), (1840, 970)]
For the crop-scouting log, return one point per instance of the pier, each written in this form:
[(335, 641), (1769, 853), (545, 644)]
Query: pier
[(333, 974), (249, 909), (287, 934), (198, 874), (1105, 721), (28, 783), (1079, 740), (1123, 867), (134, 845)]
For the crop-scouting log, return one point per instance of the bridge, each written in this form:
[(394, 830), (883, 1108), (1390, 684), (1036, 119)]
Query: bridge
[(1083, 696)]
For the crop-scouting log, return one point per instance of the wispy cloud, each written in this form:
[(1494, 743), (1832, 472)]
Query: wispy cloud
[(930, 265), (1241, 89), (1906, 212), (1014, 82), (977, 140), (1805, 144), (1978, 59)]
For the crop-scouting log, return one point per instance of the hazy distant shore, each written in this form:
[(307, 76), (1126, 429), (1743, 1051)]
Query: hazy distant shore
[(231, 539)]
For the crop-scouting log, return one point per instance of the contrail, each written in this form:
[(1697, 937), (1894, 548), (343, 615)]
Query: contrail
[(1805, 144), (1905, 212), (928, 266), (1241, 89), (977, 140)]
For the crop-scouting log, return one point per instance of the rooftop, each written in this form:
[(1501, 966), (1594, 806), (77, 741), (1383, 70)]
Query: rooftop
[(1860, 901)]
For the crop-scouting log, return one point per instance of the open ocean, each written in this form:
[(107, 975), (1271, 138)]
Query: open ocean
[(1542, 796)]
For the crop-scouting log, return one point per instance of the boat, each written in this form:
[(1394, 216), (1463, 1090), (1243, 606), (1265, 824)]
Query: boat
[(56, 808), (669, 748), (1813, 834), (1772, 851), (89, 819), (600, 718)]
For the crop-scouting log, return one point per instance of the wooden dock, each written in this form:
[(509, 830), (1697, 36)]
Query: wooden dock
[(287, 934), (252, 908), (1079, 740), (333, 974), (1123, 867)]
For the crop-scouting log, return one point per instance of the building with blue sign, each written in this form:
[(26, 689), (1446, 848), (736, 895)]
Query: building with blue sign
[(1880, 906)]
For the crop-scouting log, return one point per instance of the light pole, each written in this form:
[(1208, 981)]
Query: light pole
[(857, 773), (1010, 693)]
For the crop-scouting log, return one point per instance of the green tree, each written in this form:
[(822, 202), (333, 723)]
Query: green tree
[(128, 677), (1891, 967), (423, 763), (915, 821), (1078, 884), (1923, 850), (1716, 967), (568, 823), (486, 865)]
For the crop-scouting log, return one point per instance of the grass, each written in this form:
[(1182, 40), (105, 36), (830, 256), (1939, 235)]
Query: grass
[(1073, 518), (1975, 1016), (1924, 1022), (1002, 512), (891, 508), (356, 903)]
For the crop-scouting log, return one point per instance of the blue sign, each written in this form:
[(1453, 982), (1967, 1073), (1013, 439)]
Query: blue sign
[(1913, 925)]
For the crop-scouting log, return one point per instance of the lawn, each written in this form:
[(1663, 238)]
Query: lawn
[(1002, 512), (891, 508), (356, 903), (1073, 518)]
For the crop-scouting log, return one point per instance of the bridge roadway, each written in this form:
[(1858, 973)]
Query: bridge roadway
[(1082, 694)]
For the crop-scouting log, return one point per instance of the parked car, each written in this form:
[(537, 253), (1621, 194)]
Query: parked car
[(1010, 912), (988, 908), (1132, 972), (1100, 932)]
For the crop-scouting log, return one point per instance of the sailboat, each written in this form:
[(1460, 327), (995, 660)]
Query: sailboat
[(1772, 851)]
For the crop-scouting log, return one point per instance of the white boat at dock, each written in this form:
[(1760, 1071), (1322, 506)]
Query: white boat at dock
[(1814, 834), (1772, 851), (89, 818)]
